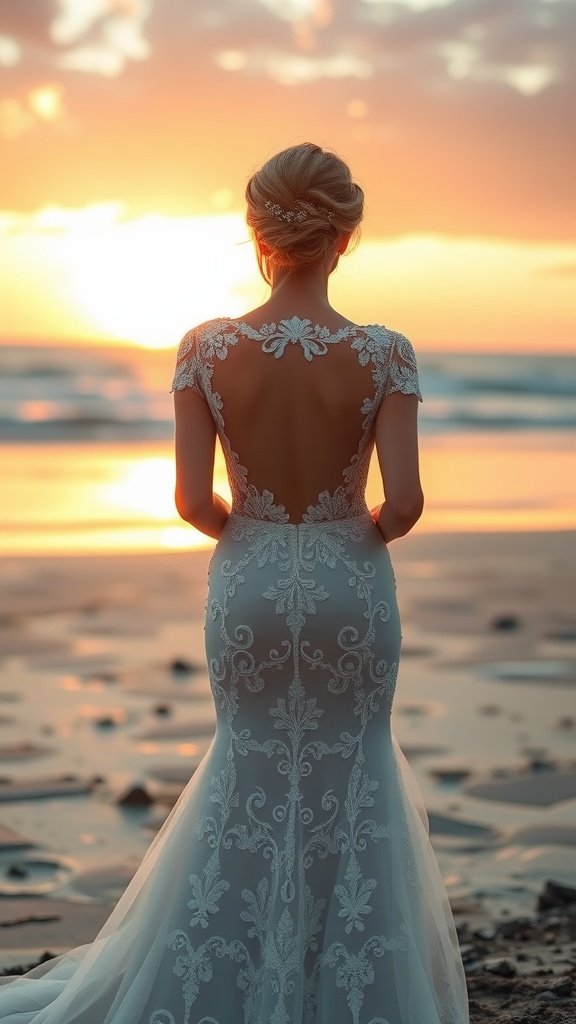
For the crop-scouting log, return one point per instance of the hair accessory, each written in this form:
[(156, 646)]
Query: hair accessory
[(301, 211)]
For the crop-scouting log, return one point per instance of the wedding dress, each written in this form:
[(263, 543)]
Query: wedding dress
[(294, 881)]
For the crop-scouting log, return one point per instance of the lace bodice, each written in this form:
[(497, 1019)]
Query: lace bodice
[(297, 430)]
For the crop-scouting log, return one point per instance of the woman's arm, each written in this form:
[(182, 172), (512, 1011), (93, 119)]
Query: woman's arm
[(195, 443), (397, 448)]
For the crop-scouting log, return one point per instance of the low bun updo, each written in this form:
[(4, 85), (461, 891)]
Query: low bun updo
[(300, 203)]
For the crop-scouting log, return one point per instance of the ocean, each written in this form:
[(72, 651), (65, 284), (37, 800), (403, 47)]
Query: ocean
[(86, 446), (79, 393)]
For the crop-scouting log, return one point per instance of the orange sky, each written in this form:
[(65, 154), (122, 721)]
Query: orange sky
[(128, 129)]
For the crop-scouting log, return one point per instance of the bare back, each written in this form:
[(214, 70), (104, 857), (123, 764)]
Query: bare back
[(295, 406)]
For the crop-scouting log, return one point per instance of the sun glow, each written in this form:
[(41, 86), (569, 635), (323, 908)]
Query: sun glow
[(102, 274), (147, 485), (147, 279), (98, 273)]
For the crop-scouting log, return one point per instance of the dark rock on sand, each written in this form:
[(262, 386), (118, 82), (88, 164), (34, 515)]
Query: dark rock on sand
[(450, 774), (105, 677), (505, 968), (490, 709), (517, 928), (542, 764), (469, 953), (136, 796), (181, 666), (105, 722), (16, 871), (505, 623), (24, 968), (554, 894), (546, 996), (563, 987), (486, 933)]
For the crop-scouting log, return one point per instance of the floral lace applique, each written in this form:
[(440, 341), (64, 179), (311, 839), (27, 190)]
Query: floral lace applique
[(314, 340)]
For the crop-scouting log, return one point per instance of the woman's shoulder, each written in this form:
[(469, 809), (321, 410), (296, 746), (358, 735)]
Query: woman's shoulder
[(378, 339), (392, 356), (196, 339), (207, 326), (382, 330)]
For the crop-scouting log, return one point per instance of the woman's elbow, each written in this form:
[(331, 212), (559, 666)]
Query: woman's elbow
[(189, 509), (409, 506)]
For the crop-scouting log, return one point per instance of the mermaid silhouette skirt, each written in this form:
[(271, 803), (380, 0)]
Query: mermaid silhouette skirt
[(294, 881)]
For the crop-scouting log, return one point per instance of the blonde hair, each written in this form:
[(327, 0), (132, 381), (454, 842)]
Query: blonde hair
[(302, 177)]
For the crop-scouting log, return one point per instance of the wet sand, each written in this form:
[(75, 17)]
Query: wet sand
[(105, 711)]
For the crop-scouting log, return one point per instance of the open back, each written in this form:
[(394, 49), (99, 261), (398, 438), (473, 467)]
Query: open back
[(294, 406)]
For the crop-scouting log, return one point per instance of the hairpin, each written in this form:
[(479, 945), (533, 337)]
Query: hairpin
[(302, 209)]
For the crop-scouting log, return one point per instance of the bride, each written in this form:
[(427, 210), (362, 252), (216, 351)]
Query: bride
[(294, 881)]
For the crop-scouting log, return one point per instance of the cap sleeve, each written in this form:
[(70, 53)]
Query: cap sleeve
[(402, 368), (186, 373)]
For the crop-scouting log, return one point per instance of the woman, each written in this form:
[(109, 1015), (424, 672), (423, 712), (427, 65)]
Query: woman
[(294, 881)]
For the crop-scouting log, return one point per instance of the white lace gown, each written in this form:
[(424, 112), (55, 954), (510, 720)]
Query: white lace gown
[(294, 881)]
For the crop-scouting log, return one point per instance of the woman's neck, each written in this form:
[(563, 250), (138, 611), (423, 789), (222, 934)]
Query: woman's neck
[(304, 295), (292, 289)]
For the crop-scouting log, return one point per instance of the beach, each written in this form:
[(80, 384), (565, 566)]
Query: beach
[(106, 710), (151, 233)]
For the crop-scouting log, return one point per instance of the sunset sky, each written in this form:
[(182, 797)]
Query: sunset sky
[(128, 129)]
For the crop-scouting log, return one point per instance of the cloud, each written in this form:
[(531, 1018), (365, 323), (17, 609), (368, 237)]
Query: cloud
[(98, 36), (10, 52), (483, 39), (463, 105), (319, 12), (58, 220), (101, 35), (294, 68)]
